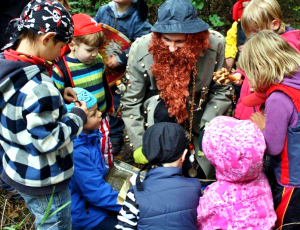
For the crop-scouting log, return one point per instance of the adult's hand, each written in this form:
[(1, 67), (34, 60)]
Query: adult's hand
[(259, 119)]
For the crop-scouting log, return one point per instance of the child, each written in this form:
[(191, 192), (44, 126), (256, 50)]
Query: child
[(92, 198), (272, 67), (165, 200), (36, 132), (259, 15), (235, 40), (130, 18), (241, 198), (83, 67), (235, 35)]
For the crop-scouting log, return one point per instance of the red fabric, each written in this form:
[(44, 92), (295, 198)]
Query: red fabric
[(254, 99), (85, 24), (294, 94), (18, 56), (237, 10)]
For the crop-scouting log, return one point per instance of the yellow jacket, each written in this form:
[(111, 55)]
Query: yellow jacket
[(231, 42)]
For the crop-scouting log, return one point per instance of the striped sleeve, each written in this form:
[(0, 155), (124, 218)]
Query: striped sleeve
[(129, 214), (58, 78)]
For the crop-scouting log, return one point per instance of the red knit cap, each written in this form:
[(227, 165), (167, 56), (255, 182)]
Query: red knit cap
[(237, 10), (84, 24)]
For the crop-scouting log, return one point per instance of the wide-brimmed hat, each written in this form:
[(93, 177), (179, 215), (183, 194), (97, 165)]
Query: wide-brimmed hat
[(254, 99), (178, 16)]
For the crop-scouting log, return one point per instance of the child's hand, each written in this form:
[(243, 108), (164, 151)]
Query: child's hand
[(112, 62), (82, 105), (69, 95), (239, 77), (230, 63), (259, 119)]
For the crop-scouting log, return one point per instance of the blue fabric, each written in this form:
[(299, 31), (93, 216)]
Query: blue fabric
[(128, 24), (178, 16), (92, 198), (83, 95), (168, 201), (38, 206)]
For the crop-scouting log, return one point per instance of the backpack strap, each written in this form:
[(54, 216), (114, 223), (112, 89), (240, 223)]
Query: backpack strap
[(293, 93), (64, 70)]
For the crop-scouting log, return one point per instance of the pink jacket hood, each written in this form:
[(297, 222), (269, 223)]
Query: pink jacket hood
[(235, 148), (241, 197)]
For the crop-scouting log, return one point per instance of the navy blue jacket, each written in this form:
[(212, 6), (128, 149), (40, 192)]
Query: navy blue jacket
[(92, 198), (129, 24), (168, 201)]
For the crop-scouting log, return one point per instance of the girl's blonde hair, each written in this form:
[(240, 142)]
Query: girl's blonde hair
[(266, 59), (259, 14)]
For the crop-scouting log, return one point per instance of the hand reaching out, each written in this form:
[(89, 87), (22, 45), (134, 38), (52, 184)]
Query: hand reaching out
[(69, 95), (259, 119)]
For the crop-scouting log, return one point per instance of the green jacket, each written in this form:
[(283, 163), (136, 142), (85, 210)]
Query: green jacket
[(142, 83)]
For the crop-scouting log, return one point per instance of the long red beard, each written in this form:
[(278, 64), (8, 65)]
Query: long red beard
[(172, 70)]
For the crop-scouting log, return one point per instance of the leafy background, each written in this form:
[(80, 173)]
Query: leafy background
[(218, 13)]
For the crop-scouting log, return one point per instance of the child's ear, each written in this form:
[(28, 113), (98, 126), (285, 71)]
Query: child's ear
[(275, 25), (183, 155), (72, 45), (47, 37)]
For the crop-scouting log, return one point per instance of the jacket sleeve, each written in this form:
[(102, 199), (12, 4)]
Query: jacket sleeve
[(132, 99), (50, 126), (129, 214), (220, 96), (141, 28), (231, 42), (90, 180)]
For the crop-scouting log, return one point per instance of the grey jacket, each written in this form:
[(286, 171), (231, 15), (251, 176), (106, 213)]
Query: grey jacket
[(142, 82)]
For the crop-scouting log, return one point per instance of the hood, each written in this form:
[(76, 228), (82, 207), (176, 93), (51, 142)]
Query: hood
[(13, 76), (293, 82), (85, 138), (235, 148), (292, 36)]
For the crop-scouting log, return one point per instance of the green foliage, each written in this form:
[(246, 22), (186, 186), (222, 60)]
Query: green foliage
[(218, 13), (215, 20), (16, 226)]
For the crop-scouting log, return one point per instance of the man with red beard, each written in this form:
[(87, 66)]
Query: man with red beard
[(169, 78)]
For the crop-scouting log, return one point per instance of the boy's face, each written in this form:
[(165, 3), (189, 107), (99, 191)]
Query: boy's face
[(84, 53), (93, 119)]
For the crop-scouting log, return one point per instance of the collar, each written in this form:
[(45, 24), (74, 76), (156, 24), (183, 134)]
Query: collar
[(18, 56)]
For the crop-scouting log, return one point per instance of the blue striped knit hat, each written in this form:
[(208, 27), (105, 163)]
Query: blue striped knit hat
[(83, 95)]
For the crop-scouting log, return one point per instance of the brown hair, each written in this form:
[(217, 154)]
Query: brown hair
[(94, 40), (32, 37), (172, 70)]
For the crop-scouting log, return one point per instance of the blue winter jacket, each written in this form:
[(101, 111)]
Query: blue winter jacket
[(168, 201), (129, 24), (92, 198)]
